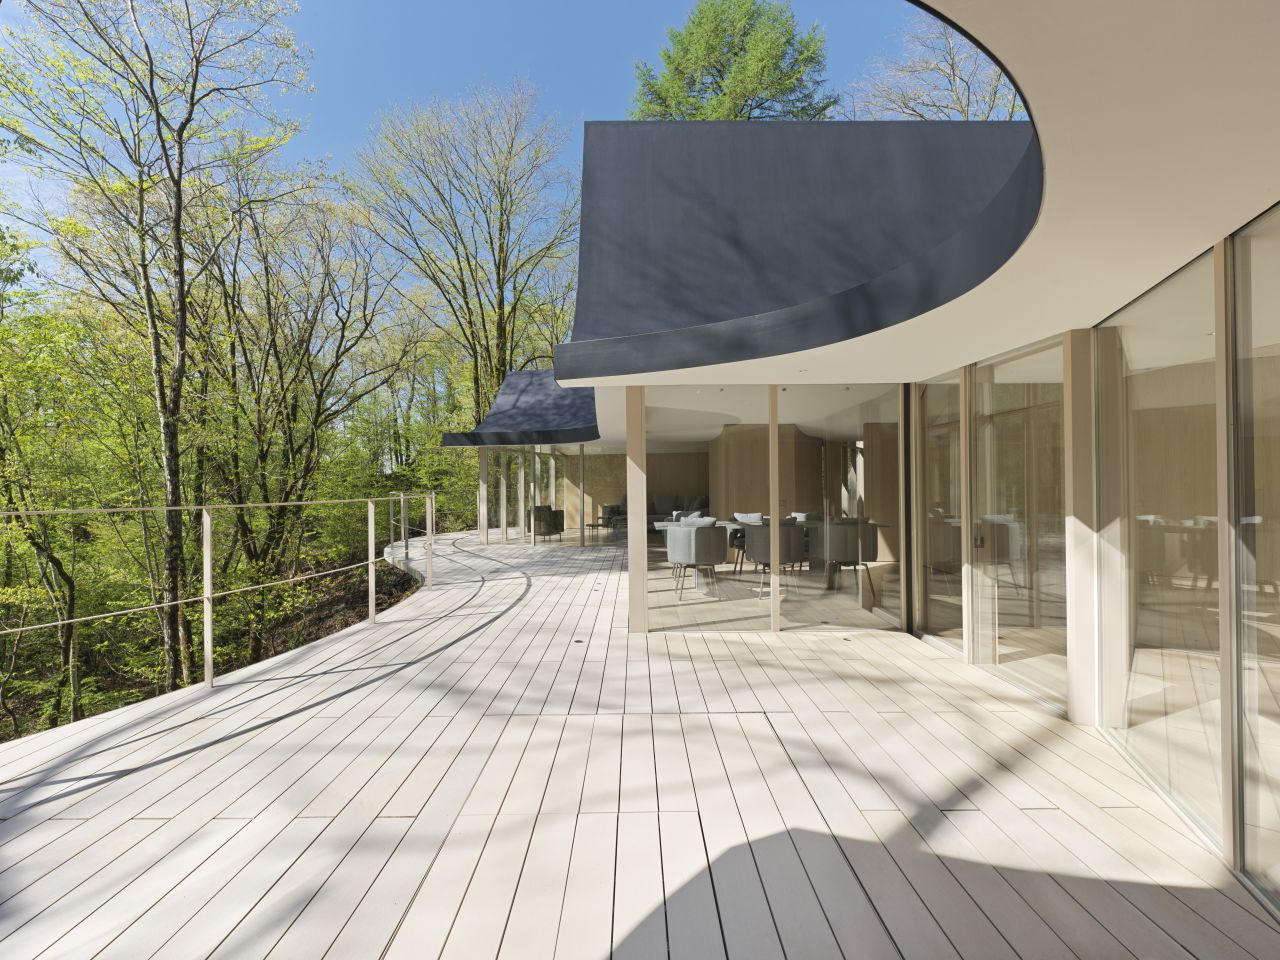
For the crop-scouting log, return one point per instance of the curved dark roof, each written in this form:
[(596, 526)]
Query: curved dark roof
[(711, 242), (532, 408)]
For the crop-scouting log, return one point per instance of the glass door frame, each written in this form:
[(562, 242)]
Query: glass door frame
[(918, 511)]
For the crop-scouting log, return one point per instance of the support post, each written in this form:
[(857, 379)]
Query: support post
[(1228, 545), (431, 538), (637, 515), (482, 497), (524, 513), (404, 524), (906, 541), (537, 484), (502, 494), (967, 618), (206, 564), (775, 527), (551, 476), (372, 561), (582, 495), (1080, 500)]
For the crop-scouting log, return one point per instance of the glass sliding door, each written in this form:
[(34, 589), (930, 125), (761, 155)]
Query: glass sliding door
[(1019, 542), (1257, 261), (838, 501), (707, 463), (1157, 500), (938, 513)]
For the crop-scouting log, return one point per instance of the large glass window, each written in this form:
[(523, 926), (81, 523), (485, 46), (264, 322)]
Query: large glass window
[(1019, 555), (1258, 389), (1158, 502), (707, 466), (838, 503), (938, 509)]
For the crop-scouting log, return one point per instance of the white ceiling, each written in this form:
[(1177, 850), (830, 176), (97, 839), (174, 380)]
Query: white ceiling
[(687, 416), (1160, 128)]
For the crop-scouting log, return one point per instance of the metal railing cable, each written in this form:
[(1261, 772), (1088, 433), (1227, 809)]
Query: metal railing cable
[(209, 594)]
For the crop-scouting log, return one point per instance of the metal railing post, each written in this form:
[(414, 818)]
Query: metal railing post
[(206, 565), (373, 562), (431, 536), (391, 518), (404, 524)]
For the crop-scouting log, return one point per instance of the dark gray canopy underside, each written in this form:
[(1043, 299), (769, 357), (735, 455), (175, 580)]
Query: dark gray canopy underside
[(712, 242), (531, 408)]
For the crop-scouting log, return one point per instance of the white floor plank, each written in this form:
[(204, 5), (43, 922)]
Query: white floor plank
[(498, 767)]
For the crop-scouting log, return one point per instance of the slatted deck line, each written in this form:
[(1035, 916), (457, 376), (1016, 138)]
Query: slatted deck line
[(497, 769)]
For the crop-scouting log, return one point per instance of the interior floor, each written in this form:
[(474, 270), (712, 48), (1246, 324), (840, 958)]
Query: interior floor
[(738, 599)]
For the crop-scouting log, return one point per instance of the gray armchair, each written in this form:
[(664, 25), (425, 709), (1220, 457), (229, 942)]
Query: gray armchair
[(791, 550), (699, 547), (852, 543)]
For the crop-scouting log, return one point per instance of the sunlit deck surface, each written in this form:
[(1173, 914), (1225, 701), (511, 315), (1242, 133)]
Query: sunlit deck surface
[(497, 769)]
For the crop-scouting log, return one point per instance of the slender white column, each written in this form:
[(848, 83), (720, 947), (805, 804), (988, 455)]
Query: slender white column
[(1080, 500), (551, 466), (775, 527), (482, 496), (972, 649), (637, 515), (537, 484), (502, 493), (520, 504), (1224, 286), (582, 494)]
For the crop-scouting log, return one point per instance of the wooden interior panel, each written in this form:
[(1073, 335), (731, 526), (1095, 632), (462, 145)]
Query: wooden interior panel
[(880, 483), (606, 482)]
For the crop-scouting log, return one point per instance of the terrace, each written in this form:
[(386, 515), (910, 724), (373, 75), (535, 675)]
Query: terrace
[(495, 767)]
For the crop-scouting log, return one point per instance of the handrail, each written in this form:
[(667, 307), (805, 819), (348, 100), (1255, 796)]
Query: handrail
[(208, 594), (160, 508)]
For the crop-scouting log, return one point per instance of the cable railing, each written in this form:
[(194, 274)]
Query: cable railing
[(400, 531)]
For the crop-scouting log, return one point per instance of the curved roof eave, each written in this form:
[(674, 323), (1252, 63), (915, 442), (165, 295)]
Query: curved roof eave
[(720, 242), (532, 409), (1159, 132), (932, 278)]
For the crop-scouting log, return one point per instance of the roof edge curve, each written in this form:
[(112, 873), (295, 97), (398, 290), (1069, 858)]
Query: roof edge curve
[(969, 256)]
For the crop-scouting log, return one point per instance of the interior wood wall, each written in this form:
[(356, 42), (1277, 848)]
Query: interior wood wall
[(880, 483), (739, 470), (605, 482), (680, 474)]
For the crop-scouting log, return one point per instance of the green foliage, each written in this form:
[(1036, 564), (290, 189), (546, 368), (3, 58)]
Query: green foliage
[(312, 361), (737, 60)]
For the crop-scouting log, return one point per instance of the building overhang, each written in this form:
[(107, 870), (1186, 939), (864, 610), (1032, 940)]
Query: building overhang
[(531, 409), (1159, 135), (739, 242)]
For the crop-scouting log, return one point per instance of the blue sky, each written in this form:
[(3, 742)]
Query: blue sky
[(376, 54)]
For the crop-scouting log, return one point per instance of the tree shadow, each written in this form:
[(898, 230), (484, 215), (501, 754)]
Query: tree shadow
[(809, 894)]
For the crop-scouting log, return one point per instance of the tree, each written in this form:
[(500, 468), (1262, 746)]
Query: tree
[(300, 294), (471, 196), (737, 60), (939, 75), (141, 108), (32, 435)]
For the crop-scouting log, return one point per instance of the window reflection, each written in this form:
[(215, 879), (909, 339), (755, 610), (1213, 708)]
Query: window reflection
[(1258, 389), (941, 520), (1018, 516), (839, 504), (1158, 501)]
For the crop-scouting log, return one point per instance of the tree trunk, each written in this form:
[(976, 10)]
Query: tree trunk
[(177, 665)]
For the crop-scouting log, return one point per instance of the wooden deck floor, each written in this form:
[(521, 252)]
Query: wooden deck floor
[(496, 769)]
